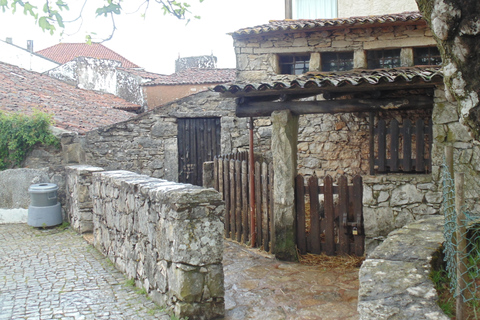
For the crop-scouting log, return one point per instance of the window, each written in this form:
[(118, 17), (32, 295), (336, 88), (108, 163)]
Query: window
[(379, 59), (427, 56), (337, 61), (315, 9), (294, 64)]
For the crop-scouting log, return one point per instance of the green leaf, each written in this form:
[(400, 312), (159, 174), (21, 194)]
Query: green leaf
[(46, 25), (111, 8), (28, 8), (59, 20)]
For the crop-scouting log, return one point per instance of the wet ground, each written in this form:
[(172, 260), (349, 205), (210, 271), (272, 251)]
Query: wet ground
[(260, 287), (55, 274)]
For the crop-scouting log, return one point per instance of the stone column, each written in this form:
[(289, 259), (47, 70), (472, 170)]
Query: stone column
[(284, 151)]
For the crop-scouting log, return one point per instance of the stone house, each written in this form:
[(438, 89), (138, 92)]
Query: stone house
[(350, 71), (95, 67), (340, 78)]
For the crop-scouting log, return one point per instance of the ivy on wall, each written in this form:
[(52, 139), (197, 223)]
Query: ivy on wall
[(19, 133)]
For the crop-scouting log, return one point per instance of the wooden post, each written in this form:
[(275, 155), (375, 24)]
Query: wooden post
[(462, 260), (252, 186), (449, 159)]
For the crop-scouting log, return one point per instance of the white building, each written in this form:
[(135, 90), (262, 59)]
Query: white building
[(24, 58)]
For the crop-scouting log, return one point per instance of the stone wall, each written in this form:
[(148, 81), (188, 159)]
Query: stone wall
[(14, 196), (394, 280), (202, 62), (79, 202), (147, 144), (168, 237), (257, 56), (101, 75)]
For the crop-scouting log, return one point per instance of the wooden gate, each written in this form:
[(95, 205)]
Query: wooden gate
[(198, 142), (329, 217), (231, 175)]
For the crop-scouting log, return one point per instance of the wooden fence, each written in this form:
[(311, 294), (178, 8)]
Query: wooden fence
[(329, 217), (231, 175), (396, 153)]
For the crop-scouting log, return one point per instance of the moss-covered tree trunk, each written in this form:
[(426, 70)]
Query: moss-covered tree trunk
[(456, 27)]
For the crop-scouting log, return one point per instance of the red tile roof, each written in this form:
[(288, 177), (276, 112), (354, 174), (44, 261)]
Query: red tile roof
[(331, 79), (306, 24), (64, 52), (73, 109), (142, 73), (195, 76)]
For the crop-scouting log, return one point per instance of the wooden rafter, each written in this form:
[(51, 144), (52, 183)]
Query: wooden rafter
[(265, 108)]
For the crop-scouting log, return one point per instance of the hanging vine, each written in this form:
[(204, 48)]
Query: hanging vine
[(19, 133)]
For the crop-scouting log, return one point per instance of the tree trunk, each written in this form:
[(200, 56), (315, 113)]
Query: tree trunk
[(456, 28)]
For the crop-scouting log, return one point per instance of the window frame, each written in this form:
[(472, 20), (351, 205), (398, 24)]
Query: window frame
[(297, 59), (376, 58), (430, 56), (338, 60)]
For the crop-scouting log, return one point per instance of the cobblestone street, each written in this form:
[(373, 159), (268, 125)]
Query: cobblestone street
[(56, 274)]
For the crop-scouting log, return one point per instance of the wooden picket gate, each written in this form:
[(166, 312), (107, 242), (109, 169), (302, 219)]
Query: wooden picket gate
[(401, 148), (231, 175), (333, 226)]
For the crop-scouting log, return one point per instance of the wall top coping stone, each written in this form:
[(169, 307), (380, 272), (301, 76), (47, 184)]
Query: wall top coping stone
[(397, 177), (394, 279), (84, 168), (182, 196)]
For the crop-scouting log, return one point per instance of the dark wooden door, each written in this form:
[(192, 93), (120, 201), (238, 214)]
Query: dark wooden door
[(198, 141)]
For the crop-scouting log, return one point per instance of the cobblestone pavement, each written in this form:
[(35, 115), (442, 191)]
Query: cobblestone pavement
[(56, 274)]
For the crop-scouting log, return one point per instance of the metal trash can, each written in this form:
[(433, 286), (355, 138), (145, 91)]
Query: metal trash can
[(44, 209)]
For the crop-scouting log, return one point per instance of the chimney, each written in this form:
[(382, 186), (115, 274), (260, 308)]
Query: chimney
[(30, 46), (9, 40)]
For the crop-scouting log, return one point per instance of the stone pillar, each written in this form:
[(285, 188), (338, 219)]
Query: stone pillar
[(360, 59), (406, 57), (284, 151), (315, 62), (79, 203)]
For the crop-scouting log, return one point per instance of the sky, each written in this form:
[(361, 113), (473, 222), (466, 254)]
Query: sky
[(156, 41)]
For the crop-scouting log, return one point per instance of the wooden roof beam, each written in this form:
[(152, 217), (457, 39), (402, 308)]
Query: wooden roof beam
[(265, 109)]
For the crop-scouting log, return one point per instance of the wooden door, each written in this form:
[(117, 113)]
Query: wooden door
[(198, 141)]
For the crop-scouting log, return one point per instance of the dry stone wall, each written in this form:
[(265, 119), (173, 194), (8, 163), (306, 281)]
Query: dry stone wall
[(166, 236), (148, 143), (394, 279), (79, 203)]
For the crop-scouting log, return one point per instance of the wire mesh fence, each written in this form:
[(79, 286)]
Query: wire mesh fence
[(462, 242)]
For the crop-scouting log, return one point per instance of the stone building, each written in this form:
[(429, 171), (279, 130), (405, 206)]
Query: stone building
[(337, 75), (342, 77)]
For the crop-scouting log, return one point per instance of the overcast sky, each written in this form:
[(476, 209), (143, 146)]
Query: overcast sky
[(155, 42)]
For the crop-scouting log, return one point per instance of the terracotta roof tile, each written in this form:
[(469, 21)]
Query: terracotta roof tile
[(142, 73), (64, 52), (340, 79), (303, 24), (73, 109), (195, 76)]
